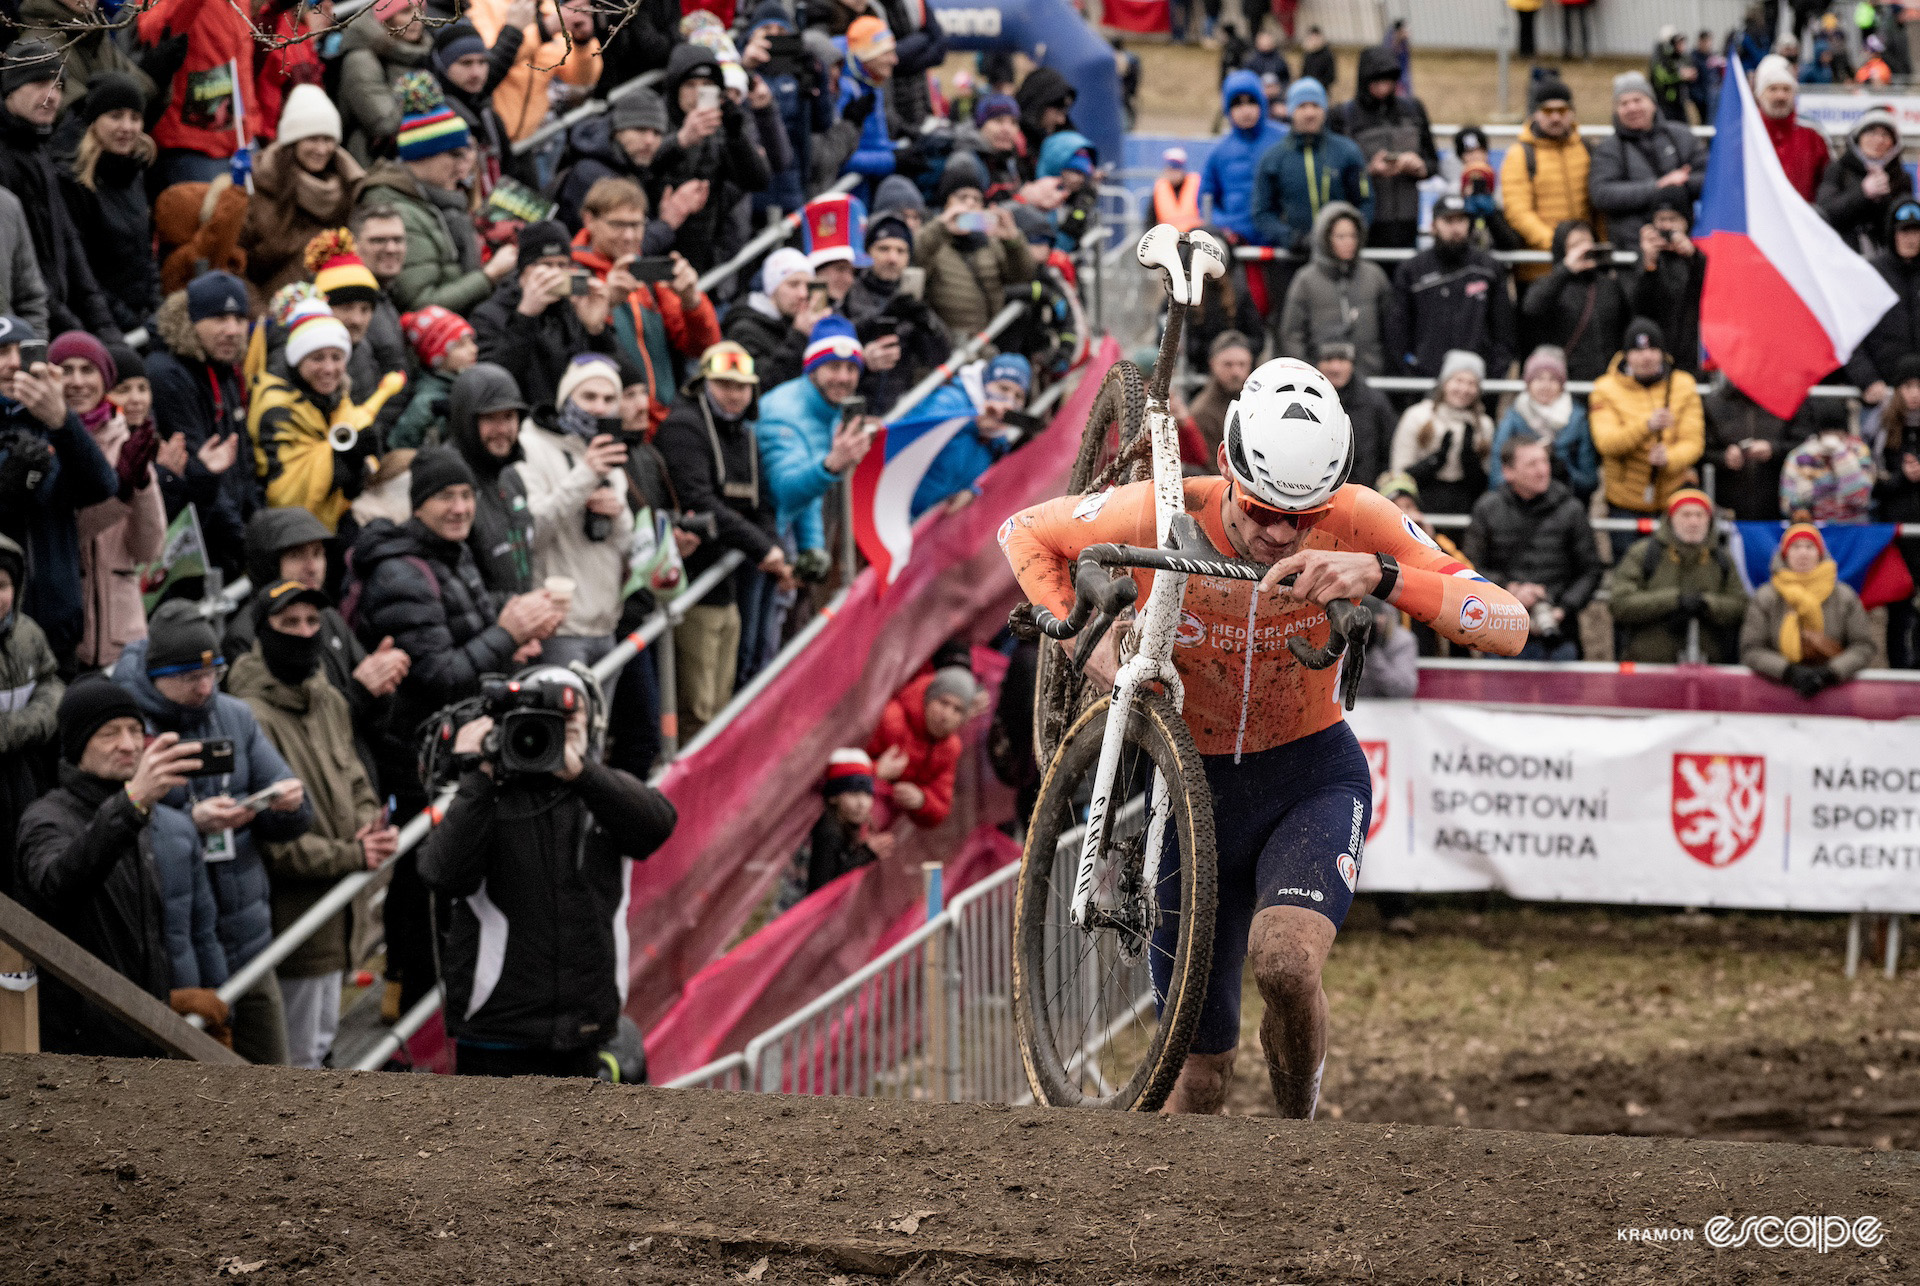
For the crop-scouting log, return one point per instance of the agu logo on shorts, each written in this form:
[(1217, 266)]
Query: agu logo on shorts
[(1473, 613), (1190, 632)]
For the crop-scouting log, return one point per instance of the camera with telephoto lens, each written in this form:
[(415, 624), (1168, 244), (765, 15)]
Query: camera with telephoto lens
[(529, 724)]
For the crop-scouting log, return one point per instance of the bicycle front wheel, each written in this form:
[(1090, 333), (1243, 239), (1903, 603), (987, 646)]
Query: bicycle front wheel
[(1107, 1010)]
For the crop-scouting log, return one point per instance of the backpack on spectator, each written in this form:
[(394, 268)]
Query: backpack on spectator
[(1650, 559), (350, 603)]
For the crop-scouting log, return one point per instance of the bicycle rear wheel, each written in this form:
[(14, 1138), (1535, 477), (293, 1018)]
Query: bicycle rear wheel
[(1096, 1030), (1113, 450)]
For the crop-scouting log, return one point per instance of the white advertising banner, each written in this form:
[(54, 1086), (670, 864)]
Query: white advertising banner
[(1727, 810), (1838, 112)]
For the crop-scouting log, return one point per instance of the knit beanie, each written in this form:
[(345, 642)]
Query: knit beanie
[(312, 328), (15, 329), (91, 703), (216, 294), (1773, 70), (898, 192), (1033, 225), (1802, 531), (1630, 82), (1457, 360), (308, 113), (77, 343), (127, 364), (546, 239), (868, 37), (1012, 367), (428, 126), (433, 471), (1644, 332), (1548, 89), (28, 62), (585, 369), (1469, 138), (833, 340), (1548, 358), (112, 92), (640, 109), (953, 681), (888, 227), (1689, 496), (338, 272), (962, 171), (1306, 90), (180, 639), (848, 771), (995, 105), (780, 265), (456, 40), (432, 331)]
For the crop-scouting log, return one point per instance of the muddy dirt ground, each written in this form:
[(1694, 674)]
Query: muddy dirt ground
[(1590, 1021), (159, 1172)]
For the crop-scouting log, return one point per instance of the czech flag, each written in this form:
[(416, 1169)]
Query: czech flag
[(892, 470), (1867, 556), (1785, 299)]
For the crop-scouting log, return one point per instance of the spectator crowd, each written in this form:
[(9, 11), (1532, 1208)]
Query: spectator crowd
[(1611, 302), (368, 313)]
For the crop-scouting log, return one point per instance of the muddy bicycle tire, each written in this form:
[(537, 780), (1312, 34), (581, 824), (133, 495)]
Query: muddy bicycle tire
[(1110, 445), (1044, 995)]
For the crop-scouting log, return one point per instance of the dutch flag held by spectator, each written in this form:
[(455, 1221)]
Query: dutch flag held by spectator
[(1785, 300), (891, 471)]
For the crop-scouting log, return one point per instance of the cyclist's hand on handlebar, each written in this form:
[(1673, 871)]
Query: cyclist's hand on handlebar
[(1323, 575), (1103, 664)]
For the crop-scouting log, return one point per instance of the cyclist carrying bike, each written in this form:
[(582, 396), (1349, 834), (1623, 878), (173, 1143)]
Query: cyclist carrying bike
[(1292, 795)]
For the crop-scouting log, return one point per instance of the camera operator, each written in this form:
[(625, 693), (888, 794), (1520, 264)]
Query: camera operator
[(536, 866)]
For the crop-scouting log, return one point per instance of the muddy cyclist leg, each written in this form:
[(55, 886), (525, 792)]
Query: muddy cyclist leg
[(1202, 1087), (1288, 948)]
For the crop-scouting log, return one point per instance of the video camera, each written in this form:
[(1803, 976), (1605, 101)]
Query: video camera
[(529, 724)]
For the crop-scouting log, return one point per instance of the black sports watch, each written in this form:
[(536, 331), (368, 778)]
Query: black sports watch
[(1389, 576)]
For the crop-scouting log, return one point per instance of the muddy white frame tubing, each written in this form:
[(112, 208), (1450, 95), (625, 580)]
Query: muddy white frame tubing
[(1154, 626)]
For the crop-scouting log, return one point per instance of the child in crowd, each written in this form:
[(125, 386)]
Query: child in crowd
[(444, 344), (843, 838)]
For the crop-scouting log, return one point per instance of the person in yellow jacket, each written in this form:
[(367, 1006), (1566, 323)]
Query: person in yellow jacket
[(292, 420), (558, 43), (1648, 425), (1543, 177)]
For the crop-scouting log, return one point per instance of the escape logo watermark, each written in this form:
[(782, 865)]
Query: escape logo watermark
[(1820, 1233)]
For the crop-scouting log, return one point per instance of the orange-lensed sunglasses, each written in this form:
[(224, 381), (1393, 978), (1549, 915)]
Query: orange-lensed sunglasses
[(1266, 515)]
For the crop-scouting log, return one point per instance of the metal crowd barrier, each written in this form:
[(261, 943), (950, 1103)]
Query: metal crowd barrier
[(1581, 388), (591, 108)]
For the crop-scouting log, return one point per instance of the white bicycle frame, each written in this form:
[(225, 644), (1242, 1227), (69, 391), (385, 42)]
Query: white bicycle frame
[(1155, 623)]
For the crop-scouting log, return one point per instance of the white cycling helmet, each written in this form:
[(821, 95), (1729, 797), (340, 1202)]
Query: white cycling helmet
[(1288, 441)]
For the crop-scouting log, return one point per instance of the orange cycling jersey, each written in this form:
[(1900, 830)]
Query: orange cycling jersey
[(1232, 706)]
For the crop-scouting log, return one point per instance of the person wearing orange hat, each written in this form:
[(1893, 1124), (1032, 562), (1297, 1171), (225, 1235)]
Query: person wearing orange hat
[(1805, 627), (1675, 585), (859, 142)]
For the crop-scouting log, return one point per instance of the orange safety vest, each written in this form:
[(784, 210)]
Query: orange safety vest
[(1180, 208)]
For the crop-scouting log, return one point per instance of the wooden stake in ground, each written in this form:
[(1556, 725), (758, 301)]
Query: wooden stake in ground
[(19, 1005)]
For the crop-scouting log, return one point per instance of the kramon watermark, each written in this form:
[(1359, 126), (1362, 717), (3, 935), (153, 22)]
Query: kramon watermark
[(1820, 1233)]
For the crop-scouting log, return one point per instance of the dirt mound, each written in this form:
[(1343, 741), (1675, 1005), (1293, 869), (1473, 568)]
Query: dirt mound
[(128, 1171)]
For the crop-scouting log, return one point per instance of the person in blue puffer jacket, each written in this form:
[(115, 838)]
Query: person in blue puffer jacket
[(1228, 177), (1069, 156), (804, 446), (871, 57), (173, 675), (1309, 169), (984, 392)]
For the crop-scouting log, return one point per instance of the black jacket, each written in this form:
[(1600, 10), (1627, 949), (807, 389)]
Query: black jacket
[(45, 528), (1624, 176), (1897, 333), (536, 872), (728, 158), (832, 850), (115, 223), (427, 594), (714, 466), (1373, 423), (476, 109), (1670, 295), (1753, 490), (1583, 313), (1546, 540), (83, 868), (502, 536), (203, 399), (1391, 124), (74, 298), (641, 43), (1438, 306), (592, 155), (1044, 87), (924, 341), (535, 351), (779, 351), (1860, 220)]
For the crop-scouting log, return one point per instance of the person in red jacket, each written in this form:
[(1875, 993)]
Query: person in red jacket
[(1802, 150), (197, 133), (917, 746)]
